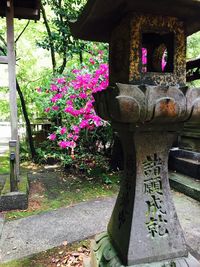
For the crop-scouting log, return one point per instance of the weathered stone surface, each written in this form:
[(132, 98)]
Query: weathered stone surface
[(144, 226), (103, 254), (14, 200), (136, 104)]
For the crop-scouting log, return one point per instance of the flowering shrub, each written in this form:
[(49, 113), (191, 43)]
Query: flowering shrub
[(70, 103)]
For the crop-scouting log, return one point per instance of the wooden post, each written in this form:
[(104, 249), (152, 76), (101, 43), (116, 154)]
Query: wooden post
[(12, 77)]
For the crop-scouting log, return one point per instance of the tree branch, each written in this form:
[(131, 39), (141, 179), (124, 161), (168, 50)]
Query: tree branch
[(22, 31), (53, 58), (64, 61), (3, 41)]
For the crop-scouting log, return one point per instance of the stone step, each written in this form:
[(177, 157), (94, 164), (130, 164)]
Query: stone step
[(185, 184), (185, 162)]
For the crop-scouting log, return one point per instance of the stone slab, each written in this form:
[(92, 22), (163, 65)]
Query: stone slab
[(14, 200), (185, 184)]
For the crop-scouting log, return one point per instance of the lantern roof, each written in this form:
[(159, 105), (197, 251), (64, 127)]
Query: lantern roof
[(100, 17), (23, 9)]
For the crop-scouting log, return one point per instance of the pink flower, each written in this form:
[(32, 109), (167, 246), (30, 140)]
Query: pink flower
[(70, 135), (47, 109), (83, 95), (64, 144), (64, 89), (97, 121), (75, 71), (69, 109), (52, 137), (92, 61), (75, 137), (54, 87), (61, 80), (63, 130), (55, 108), (69, 103), (39, 90), (56, 97), (84, 124), (73, 96), (76, 129)]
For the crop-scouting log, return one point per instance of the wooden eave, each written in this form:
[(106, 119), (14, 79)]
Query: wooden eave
[(100, 17), (23, 9)]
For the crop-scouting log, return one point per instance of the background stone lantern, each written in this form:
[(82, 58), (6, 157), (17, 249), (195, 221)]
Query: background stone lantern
[(147, 103)]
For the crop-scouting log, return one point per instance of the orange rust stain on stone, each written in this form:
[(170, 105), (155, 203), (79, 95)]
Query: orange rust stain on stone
[(168, 108)]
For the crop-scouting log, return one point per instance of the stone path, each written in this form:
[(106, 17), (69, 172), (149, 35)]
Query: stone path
[(30, 235)]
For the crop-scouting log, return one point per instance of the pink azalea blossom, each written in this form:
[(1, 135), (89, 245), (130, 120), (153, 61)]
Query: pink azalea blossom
[(83, 95), (73, 96), (76, 129), (56, 97), (55, 108), (39, 90), (69, 109), (52, 137), (75, 137), (69, 103), (75, 71), (92, 61), (70, 135), (53, 87), (63, 130), (61, 80), (47, 109), (64, 144), (84, 124)]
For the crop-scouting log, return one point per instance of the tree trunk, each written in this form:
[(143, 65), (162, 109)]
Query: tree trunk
[(81, 57), (28, 124)]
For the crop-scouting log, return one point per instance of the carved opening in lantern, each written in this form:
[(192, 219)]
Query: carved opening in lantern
[(157, 53)]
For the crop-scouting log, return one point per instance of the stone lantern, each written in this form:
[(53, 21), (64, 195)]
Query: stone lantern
[(147, 103)]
